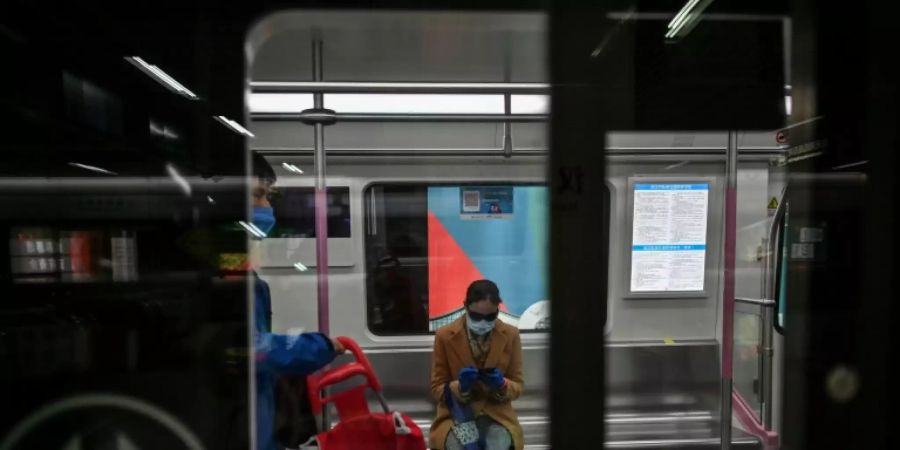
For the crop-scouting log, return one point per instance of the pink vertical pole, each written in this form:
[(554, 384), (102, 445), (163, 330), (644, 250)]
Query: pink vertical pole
[(728, 290), (731, 160), (322, 255), (321, 199)]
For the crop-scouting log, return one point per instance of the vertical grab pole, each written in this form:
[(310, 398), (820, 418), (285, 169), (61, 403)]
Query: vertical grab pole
[(507, 126), (321, 197), (768, 316), (731, 160)]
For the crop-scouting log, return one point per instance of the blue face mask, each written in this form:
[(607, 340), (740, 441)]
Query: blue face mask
[(263, 218), (480, 327)]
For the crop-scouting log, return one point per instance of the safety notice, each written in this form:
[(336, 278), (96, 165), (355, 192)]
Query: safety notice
[(668, 250)]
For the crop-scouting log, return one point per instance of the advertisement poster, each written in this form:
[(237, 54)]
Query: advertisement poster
[(511, 252)]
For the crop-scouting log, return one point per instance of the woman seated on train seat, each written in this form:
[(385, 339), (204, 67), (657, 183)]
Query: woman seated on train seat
[(476, 372)]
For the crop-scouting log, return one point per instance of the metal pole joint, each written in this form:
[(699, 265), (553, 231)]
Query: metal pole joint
[(318, 116)]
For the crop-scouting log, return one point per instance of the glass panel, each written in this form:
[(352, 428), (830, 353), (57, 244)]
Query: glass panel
[(123, 283), (294, 208), (747, 342)]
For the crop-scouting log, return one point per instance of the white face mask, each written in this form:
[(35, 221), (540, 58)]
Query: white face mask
[(480, 327)]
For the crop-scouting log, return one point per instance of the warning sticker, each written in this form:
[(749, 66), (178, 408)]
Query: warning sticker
[(772, 206)]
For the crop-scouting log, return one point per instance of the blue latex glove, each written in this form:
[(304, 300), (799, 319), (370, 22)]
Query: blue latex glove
[(493, 378), (467, 378)]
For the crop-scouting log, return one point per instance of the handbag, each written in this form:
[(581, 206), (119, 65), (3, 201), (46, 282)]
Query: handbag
[(464, 427)]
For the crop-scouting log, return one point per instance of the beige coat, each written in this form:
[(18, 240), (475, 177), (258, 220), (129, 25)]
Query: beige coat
[(452, 353)]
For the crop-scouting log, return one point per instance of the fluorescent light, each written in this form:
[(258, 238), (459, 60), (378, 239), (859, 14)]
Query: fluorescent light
[(682, 15), (161, 77), (179, 180), (788, 104), (280, 103), (291, 168), (415, 103), (299, 266), (686, 18), (847, 166), (252, 229), (529, 104), (162, 130), (92, 168), (676, 165), (234, 126)]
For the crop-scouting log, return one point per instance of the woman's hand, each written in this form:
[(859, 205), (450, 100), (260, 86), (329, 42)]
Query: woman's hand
[(338, 347), (467, 378), (493, 378)]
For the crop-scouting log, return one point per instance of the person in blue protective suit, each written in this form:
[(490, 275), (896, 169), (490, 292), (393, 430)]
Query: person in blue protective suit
[(299, 354)]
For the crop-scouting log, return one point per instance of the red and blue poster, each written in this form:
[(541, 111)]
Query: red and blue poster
[(464, 245)]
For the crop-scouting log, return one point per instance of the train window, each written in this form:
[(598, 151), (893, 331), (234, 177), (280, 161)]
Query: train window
[(426, 243), (529, 104), (280, 102), (295, 209), (415, 103), (283, 102)]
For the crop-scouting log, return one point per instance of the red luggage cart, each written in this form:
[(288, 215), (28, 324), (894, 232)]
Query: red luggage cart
[(357, 427)]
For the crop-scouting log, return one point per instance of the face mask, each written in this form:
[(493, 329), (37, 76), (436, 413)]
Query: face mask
[(480, 327), (263, 218)]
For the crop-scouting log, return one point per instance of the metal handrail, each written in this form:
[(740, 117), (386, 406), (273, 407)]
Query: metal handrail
[(765, 302)]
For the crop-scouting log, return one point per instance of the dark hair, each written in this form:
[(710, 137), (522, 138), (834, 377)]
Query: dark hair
[(261, 168), (483, 290)]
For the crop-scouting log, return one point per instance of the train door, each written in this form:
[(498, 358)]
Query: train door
[(616, 70), (429, 133), (658, 74)]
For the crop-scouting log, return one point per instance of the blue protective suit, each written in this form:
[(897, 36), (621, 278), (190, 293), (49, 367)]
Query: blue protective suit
[(276, 354)]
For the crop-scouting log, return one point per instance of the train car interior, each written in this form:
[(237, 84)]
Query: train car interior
[(413, 136)]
